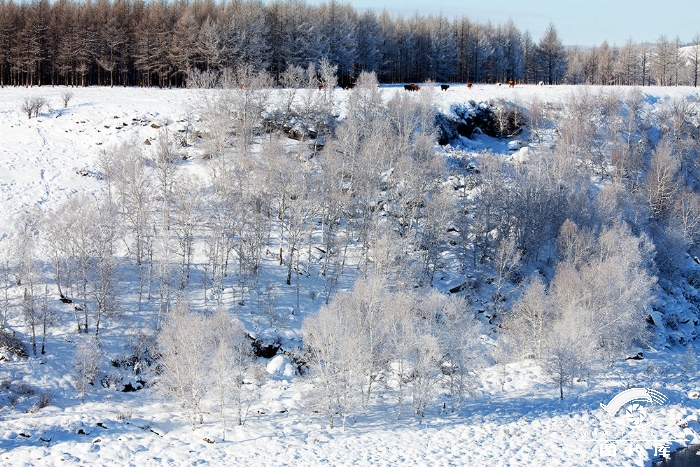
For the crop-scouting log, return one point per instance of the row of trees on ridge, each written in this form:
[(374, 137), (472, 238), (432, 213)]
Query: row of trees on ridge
[(137, 43)]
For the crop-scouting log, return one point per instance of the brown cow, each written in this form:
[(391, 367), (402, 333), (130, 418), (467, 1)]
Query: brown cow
[(469, 85), (511, 84), (411, 87)]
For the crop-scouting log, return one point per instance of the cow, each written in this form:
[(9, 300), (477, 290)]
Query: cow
[(511, 84), (411, 87), (541, 83), (469, 85), (444, 87)]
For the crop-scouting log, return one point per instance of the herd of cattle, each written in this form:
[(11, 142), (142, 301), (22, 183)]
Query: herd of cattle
[(445, 87)]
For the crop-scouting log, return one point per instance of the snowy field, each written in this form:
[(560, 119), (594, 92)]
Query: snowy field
[(513, 418)]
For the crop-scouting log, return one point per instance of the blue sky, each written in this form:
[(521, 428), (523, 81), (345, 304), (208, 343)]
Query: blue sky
[(587, 22)]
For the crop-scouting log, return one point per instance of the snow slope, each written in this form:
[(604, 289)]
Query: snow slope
[(513, 418)]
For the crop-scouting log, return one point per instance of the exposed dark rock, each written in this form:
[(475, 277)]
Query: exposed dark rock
[(468, 119)]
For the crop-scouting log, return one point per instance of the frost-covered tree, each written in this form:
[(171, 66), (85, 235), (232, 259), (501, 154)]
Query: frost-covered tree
[(551, 56), (609, 297), (231, 365), (507, 263), (443, 50), (183, 48), (296, 37), (28, 270), (530, 320), (86, 363), (695, 59), (186, 218), (627, 68), (400, 331), (369, 42), (432, 239), (562, 363), (333, 340), (248, 91), (6, 280), (690, 360), (185, 345), (425, 354), (47, 318), (662, 61), (338, 27), (81, 209), (244, 37), (104, 273), (134, 184), (459, 333), (662, 182), (365, 102), (575, 245), (686, 209), (595, 306), (208, 43), (368, 299)]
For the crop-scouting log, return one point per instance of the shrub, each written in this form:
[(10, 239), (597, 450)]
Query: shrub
[(27, 108), (12, 344), (24, 389), (44, 400), (32, 106), (66, 97), (125, 414)]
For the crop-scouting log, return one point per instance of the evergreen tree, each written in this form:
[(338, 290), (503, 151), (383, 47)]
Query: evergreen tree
[(551, 56)]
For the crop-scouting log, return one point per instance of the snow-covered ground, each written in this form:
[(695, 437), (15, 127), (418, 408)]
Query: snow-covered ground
[(514, 416)]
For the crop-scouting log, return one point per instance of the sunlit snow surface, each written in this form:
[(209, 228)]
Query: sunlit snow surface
[(513, 418)]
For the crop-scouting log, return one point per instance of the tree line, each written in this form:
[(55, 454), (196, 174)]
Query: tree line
[(137, 43)]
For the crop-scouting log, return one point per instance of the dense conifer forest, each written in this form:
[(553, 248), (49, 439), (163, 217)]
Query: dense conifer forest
[(136, 43)]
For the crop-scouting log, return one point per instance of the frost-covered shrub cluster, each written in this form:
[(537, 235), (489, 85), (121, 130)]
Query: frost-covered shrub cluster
[(207, 354), (373, 341)]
